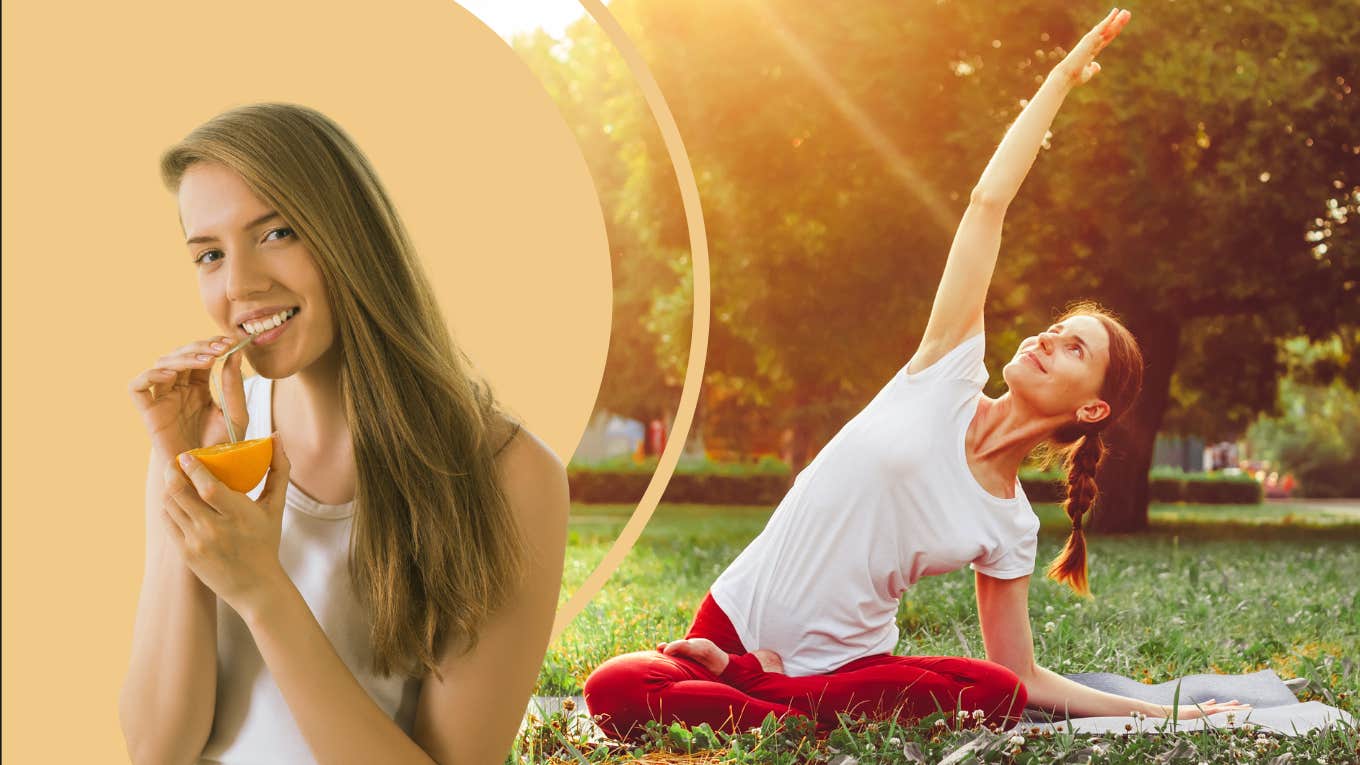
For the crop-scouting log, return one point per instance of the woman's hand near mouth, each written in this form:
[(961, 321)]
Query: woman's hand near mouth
[(176, 404)]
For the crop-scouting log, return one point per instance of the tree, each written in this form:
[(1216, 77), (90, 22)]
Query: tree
[(1204, 189), (1200, 187), (1314, 431), (650, 325)]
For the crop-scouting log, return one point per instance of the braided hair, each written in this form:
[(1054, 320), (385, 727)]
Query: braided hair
[(1081, 462), (1086, 448)]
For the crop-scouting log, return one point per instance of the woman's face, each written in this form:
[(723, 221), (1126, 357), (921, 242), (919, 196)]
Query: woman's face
[(252, 267), (1061, 370)]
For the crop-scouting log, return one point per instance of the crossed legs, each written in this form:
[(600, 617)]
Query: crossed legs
[(689, 681)]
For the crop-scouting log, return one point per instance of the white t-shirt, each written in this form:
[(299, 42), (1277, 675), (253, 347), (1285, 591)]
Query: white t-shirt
[(252, 722), (888, 500)]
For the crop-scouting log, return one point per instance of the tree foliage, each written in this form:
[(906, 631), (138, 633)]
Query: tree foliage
[(1200, 186), (1314, 429)]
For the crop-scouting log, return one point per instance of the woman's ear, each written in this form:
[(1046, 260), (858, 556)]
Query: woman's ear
[(1093, 412)]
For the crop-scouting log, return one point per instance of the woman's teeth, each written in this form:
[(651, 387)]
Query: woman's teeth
[(264, 325)]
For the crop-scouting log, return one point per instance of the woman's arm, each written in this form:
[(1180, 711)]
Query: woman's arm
[(469, 718), (1003, 611), (167, 699), (957, 311)]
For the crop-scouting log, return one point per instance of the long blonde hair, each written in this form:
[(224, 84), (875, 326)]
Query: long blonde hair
[(434, 548)]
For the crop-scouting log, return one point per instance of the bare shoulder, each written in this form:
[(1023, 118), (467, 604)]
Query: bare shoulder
[(534, 478), (525, 456)]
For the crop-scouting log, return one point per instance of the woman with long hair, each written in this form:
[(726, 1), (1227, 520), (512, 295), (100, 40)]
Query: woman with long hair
[(922, 481), (386, 595)]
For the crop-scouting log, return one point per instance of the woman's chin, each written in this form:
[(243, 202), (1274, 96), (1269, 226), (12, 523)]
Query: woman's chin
[(270, 365)]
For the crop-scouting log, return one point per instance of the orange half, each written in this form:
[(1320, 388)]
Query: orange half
[(242, 465)]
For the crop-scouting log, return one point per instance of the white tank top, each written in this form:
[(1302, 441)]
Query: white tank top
[(252, 722), (889, 499)]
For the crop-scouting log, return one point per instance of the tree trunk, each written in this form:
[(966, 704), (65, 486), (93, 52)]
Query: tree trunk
[(1123, 474), (800, 443)]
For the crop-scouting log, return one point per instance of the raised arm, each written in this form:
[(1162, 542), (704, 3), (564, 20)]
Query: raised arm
[(957, 311), (1003, 611)]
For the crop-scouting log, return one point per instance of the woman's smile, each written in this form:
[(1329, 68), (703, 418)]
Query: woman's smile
[(268, 329)]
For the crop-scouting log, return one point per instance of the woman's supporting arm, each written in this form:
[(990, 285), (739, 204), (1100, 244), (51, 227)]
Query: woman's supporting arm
[(1003, 611), (168, 697), (957, 311)]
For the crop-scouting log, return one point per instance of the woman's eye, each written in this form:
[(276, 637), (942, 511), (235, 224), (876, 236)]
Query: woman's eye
[(200, 259), (285, 230)]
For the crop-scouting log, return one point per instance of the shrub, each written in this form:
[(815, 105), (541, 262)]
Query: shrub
[(760, 485)]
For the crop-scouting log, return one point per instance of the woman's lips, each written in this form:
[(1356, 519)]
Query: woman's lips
[(1035, 360), (269, 335)]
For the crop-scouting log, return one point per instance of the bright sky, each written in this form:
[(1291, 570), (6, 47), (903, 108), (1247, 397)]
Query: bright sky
[(511, 17)]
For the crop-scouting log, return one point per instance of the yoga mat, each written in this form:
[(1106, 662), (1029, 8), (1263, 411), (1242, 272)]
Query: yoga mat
[(1274, 706)]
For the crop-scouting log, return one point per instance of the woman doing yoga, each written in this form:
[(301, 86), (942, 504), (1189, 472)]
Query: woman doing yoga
[(922, 481)]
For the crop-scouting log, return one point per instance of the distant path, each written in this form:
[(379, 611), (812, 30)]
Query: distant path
[(1347, 506)]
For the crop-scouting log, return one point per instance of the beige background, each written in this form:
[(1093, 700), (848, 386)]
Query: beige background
[(97, 283)]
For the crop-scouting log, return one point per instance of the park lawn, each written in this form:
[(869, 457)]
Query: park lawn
[(1210, 588)]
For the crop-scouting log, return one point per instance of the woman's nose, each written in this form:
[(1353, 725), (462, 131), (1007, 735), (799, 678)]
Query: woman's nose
[(244, 278)]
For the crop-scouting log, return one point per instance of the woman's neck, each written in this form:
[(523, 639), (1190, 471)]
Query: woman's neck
[(313, 407), (1004, 431)]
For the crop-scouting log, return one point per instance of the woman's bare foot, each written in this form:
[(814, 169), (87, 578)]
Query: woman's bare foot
[(702, 650), (715, 659), (769, 660)]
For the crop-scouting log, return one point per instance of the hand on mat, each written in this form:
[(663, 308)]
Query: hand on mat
[(1079, 66), (230, 541), (1206, 708), (714, 659)]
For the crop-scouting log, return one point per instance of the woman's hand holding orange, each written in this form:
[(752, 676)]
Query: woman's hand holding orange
[(176, 404), (1079, 65), (230, 541)]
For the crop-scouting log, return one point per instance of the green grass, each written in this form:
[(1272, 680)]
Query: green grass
[(1211, 588)]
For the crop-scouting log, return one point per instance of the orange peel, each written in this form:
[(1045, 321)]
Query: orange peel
[(241, 465)]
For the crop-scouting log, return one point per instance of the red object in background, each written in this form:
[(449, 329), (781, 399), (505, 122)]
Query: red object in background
[(656, 437)]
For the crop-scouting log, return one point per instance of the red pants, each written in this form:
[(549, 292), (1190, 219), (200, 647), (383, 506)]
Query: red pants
[(628, 690)]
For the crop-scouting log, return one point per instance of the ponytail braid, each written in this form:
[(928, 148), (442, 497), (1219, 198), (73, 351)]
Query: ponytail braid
[(1070, 565)]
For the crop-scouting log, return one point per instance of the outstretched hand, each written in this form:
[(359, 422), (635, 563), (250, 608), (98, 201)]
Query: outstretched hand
[(1080, 65), (1207, 708)]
